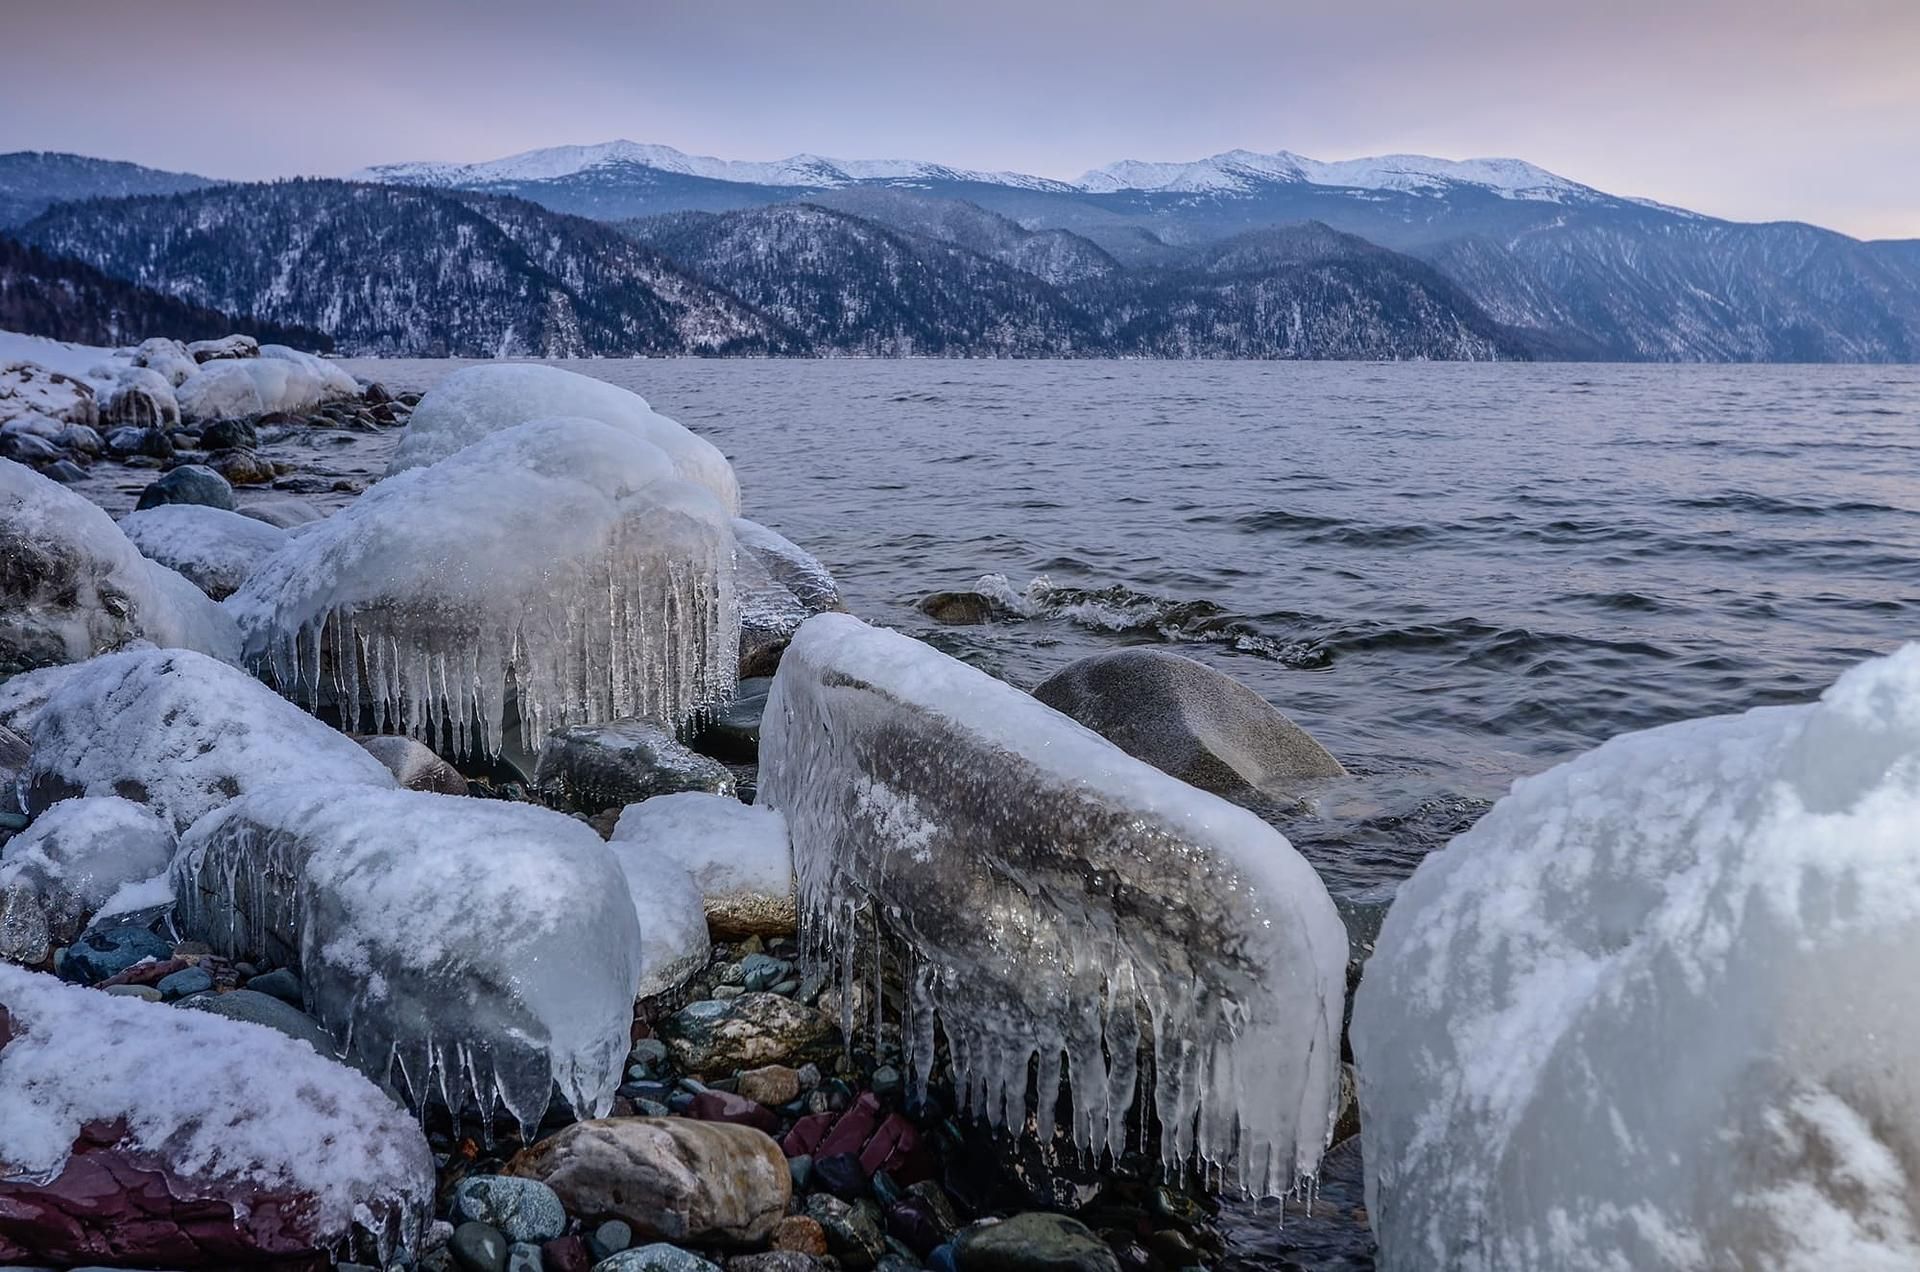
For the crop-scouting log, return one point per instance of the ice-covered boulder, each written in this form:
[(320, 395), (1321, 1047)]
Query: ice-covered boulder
[(737, 854), (1189, 720), (790, 565), (461, 947), (168, 357), (1658, 1009), (182, 734), (213, 548), (73, 585), (22, 697), (226, 347), (242, 387), (142, 398), (476, 401), (591, 768), (80, 852), (673, 919), (769, 616), (139, 1135), (1056, 895), (333, 381), (563, 554)]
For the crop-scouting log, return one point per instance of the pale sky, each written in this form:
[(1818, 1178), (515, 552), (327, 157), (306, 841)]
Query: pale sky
[(1750, 109)]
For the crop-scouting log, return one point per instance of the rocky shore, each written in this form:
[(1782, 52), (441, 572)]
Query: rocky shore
[(525, 863)]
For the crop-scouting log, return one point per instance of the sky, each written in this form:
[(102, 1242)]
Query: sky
[(1750, 109)]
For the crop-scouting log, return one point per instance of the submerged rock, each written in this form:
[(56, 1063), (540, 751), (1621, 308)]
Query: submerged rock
[(141, 1134), (738, 856), (188, 484), (182, 734), (1057, 895), (1657, 1008), (592, 768), (668, 1178), (1187, 719), (455, 945)]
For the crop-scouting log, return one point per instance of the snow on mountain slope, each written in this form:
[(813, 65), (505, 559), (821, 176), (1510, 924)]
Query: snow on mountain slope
[(1238, 171), (807, 171)]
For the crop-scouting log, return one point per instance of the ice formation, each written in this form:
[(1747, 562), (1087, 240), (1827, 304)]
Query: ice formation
[(476, 401), (562, 555), (181, 734), (212, 548), (77, 854), (790, 565), (737, 854), (1657, 1008), (1056, 895), (237, 388), (462, 946), (74, 585), (236, 1110), (672, 916)]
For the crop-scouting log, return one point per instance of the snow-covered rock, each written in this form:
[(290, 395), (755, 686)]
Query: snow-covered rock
[(242, 387), (24, 696), (80, 852), (75, 585), (565, 553), (142, 398), (182, 734), (333, 381), (215, 549), (737, 854), (225, 348), (477, 401), (456, 945), (167, 357), (137, 1134), (673, 920), (1056, 894), (27, 388), (790, 565), (1657, 1008)]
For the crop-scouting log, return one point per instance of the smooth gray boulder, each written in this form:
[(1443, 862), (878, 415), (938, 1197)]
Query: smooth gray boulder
[(1059, 896), (1189, 720)]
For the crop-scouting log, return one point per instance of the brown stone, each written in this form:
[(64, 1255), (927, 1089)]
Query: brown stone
[(772, 1085), (800, 1234)]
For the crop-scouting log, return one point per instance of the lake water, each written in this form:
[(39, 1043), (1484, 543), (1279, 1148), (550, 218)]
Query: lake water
[(1453, 575)]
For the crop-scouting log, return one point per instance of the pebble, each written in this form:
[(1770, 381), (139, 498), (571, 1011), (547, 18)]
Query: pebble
[(658, 1257), (476, 1247), (524, 1257), (1033, 1242), (523, 1210), (801, 1168), (853, 1230), (188, 980), (763, 971), (773, 1084), (886, 1081), (567, 1254), (800, 1234), (104, 952), (610, 1238), (146, 992), (280, 983), (260, 1009)]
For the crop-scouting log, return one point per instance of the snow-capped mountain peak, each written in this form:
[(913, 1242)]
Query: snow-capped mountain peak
[(804, 170)]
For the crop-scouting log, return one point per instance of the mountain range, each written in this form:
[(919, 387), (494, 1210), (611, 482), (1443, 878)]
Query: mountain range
[(1239, 254)]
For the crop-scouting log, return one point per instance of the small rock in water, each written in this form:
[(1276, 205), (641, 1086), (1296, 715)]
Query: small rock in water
[(242, 467), (591, 768), (524, 1210), (188, 484), (476, 1247), (1033, 1242), (229, 435), (961, 609)]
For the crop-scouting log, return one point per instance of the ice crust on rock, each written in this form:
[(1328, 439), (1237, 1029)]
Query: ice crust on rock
[(77, 854), (212, 548), (790, 565), (1657, 1010), (476, 401), (182, 734), (1057, 895), (75, 585), (672, 916), (236, 1109), (463, 947), (562, 555), (737, 854), (239, 388)]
